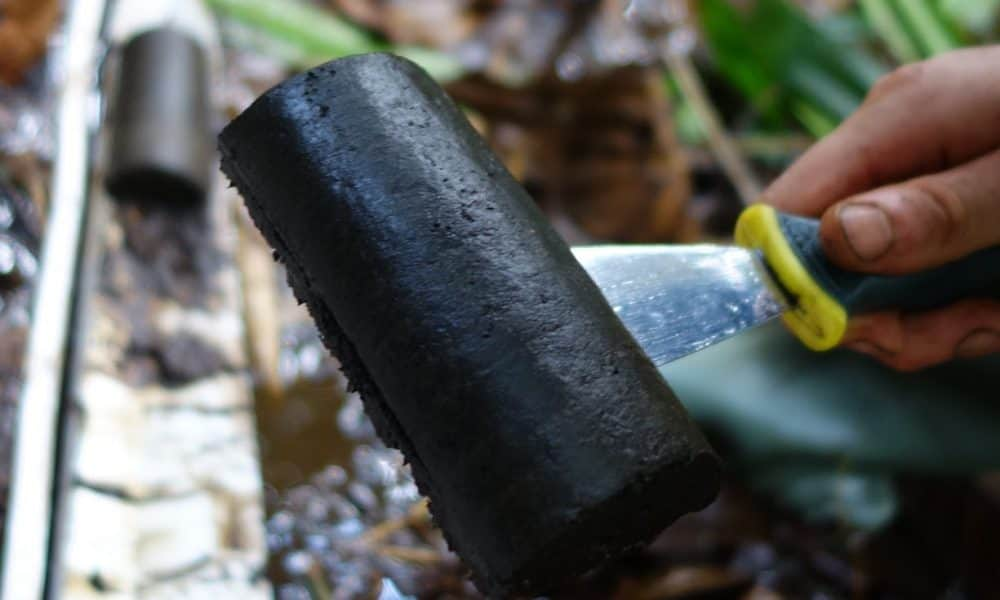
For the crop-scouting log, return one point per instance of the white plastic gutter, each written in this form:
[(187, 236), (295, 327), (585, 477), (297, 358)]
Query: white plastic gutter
[(29, 509)]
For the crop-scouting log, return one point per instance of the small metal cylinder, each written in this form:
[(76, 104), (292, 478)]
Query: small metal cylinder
[(161, 142)]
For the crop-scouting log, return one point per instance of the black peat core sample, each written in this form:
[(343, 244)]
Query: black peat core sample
[(545, 439)]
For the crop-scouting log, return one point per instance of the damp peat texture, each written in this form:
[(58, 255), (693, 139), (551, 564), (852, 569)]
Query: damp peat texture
[(545, 439)]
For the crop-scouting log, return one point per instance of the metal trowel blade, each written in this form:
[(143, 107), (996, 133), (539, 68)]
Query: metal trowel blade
[(678, 299)]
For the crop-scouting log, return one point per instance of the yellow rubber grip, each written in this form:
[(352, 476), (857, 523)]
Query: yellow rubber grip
[(815, 317)]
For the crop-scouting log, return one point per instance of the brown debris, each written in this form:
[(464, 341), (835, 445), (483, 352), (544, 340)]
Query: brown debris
[(435, 23), (601, 151), (761, 593), (168, 258), (29, 171), (261, 306), (558, 95), (25, 26), (687, 582)]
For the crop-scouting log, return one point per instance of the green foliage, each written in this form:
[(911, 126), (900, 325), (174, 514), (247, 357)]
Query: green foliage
[(794, 429), (690, 130), (818, 71), (791, 427), (912, 29), (978, 17), (897, 39), (930, 30), (305, 36), (787, 64), (863, 500)]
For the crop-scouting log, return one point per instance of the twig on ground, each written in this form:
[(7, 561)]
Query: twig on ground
[(732, 161)]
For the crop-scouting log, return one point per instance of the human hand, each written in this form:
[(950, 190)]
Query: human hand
[(911, 181)]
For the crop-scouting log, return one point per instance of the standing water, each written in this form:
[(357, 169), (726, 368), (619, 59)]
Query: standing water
[(345, 520)]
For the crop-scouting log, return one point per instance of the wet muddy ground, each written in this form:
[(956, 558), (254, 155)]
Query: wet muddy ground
[(345, 522)]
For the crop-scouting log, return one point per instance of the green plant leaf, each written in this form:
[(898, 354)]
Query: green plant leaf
[(816, 427), (930, 30), (776, 401), (773, 45), (815, 121), (977, 16), (314, 36), (313, 30), (883, 19)]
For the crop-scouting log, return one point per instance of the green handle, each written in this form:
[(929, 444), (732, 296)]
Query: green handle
[(976, 275), (823, 297)]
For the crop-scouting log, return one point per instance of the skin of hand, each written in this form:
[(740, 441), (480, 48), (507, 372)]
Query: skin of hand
[(911, 181)]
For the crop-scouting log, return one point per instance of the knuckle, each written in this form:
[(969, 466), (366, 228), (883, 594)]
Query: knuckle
[(870, 176), (974, 313), (933, 213), (906, 77)]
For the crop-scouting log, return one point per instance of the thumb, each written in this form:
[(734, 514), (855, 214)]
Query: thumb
[(918, 224)]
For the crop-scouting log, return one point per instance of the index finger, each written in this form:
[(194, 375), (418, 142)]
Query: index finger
[(920, 119)]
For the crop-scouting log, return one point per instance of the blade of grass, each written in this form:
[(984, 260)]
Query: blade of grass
[(774, 45), (885, 22), (857, 68), (815, 121), (439, 65), (823, 91), (732, 161), (929, 29), (976, 16), (319, 36), (317, 32)]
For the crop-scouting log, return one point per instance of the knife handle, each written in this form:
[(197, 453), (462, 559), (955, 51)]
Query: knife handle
[(823, 296)]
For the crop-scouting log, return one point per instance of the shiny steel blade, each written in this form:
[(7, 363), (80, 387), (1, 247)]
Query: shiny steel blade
[(679, 299)]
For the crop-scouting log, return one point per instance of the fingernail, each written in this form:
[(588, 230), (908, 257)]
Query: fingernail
[(978, 343), (866, 229)]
